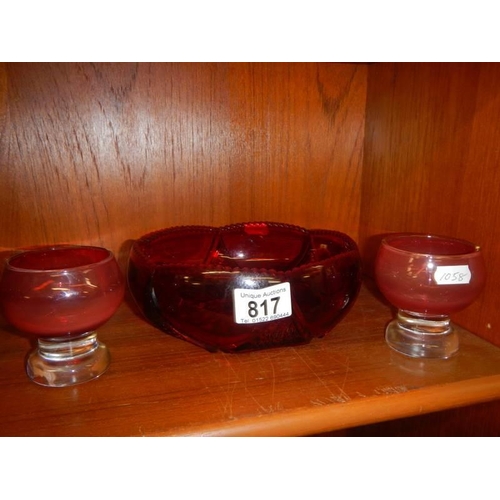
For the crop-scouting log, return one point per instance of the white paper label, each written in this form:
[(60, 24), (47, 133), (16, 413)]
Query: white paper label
[(266, 304), (452, 275)]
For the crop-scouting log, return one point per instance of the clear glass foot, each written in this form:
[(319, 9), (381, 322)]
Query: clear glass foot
[(61, 363), (420, 336)]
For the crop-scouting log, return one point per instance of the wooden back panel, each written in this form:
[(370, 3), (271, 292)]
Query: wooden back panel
[(431, 164), (103, 153)]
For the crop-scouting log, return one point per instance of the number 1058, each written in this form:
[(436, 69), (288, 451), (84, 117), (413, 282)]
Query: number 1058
[(452, 275)]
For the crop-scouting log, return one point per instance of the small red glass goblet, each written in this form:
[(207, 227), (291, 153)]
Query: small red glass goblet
[(61, 295), (427, 278)]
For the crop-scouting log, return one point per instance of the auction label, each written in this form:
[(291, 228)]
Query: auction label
[(266, 304), (452, 275)]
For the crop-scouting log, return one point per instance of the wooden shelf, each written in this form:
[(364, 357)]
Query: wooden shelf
[(159, 385)]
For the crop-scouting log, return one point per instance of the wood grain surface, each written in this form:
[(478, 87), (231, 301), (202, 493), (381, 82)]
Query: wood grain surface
[(103, 153)]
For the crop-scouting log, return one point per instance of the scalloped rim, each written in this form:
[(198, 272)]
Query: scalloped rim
[(150, 238)]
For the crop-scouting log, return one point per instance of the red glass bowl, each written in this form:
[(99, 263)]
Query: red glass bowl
[(62, 291), (422, 273), (244, 286)]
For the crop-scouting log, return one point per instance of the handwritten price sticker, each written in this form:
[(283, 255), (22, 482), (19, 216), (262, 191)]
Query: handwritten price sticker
[(266, 304), (452, 275)]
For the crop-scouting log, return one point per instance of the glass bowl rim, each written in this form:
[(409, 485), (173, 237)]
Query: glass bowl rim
[(138, 247), (45, 248), (386, 241)]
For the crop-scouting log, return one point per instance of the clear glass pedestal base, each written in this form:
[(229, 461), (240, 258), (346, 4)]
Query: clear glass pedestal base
[(62, 363), (421, 336)]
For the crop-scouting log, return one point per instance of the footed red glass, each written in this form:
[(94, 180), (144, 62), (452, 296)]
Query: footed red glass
[(244, 286), (60, 295), (427, 278)]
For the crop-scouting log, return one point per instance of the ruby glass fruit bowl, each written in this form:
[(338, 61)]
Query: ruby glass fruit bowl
[(244, 286)]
